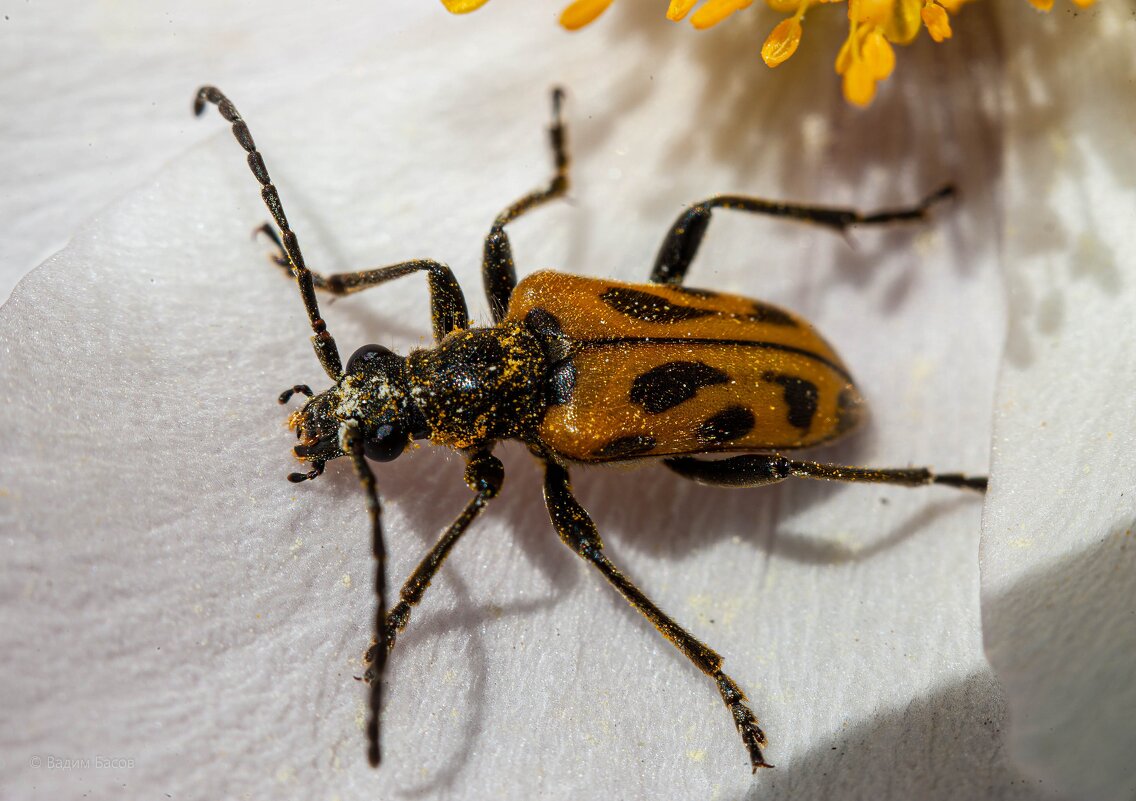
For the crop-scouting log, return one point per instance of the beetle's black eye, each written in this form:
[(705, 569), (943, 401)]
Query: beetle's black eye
[(365, 354), (389, 441)]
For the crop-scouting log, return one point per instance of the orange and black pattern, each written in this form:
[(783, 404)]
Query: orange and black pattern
[(645, 370)]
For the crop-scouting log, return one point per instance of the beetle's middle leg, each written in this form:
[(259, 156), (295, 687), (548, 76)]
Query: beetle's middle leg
[(681, 243), (497, 270), (579, 533)]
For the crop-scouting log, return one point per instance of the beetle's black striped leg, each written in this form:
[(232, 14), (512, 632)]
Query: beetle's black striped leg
[(447, 301), (682, 241), (322, 341), (497, 270), (755, 470), (484, 474), (579, 533), (352, 444), (279, 256)]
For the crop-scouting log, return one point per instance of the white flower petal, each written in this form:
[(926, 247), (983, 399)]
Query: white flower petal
[(1059, 554), (170, 599)]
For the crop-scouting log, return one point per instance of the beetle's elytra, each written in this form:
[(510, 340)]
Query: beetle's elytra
[(581, 370)]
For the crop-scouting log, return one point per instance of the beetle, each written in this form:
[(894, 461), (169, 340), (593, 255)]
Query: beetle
[(582, 371)]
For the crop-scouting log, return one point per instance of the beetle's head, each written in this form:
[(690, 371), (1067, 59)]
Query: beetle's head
[(370, 395)]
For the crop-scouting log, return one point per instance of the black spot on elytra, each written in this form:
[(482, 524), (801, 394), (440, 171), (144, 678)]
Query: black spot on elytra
[(670, 384), (648, 307), (561, 383), (800, 395), (623, 447), (764, 313), (733, 422)]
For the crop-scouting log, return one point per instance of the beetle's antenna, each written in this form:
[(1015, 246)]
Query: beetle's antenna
[(352, 444), (322, 341)]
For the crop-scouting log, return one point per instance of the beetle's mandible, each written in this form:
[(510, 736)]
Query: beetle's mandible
[(582, 371)]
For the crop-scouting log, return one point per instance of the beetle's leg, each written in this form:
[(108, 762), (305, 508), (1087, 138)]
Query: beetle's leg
[(352, 444), (484, 474), (682, 241), (280, 255), (447, 302), (579, 533), (755, 470), (322, 341), (497, 270)]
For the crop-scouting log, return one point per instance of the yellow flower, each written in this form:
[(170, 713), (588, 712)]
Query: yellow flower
[(867, 56)]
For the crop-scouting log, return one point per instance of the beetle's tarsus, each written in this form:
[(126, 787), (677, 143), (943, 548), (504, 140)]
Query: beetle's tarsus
[(960, 481)]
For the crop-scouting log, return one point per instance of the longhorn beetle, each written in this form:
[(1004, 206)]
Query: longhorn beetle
[(582, 371)]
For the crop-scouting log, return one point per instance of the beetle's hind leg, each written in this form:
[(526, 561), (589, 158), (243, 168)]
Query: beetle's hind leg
[(579, 533), (497, 270), (682, 241), (756, 470)]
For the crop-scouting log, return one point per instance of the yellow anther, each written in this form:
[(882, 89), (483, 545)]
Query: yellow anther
[(903, 22), (463, 6), (581, 12), (878, 55), (679, 9), (859, 85), (782, 42), (870, 12), (714, 11), (937, 22)]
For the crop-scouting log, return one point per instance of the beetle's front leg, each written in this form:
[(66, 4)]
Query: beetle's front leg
[(484, 474), (447, 302)]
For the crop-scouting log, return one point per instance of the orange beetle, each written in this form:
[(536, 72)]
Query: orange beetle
[(582, 370)]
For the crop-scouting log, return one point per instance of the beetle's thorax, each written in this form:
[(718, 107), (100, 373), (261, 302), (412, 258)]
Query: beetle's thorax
[(479, 385)]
